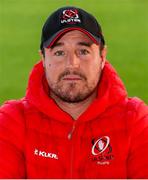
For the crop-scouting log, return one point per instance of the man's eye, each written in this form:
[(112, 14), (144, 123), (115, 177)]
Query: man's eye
[(59, 53), (84, 52)]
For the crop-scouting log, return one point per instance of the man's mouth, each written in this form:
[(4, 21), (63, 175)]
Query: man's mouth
[(72, 78)]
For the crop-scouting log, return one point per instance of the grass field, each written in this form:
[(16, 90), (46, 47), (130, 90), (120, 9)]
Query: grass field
[(124, 25)]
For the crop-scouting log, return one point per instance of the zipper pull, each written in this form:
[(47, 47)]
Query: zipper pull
[(71, 132)]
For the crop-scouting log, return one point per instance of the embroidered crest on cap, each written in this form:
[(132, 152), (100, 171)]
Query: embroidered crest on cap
[(70, 16)]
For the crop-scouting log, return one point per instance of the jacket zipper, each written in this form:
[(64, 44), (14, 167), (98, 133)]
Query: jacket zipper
[(71, 163), (70, 135), (71, 132)]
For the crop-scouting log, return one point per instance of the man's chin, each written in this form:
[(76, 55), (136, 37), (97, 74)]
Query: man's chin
[(70, 97), (72, 93)]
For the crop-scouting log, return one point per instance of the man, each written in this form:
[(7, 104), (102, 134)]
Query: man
[(76, 120)]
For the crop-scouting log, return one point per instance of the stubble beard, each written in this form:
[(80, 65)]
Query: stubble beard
[(73, 92)]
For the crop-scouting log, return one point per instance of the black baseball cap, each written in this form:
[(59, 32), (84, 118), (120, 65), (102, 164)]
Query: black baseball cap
[(70, 18)]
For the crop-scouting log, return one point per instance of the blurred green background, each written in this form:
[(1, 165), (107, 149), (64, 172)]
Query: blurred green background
[(124, 23)]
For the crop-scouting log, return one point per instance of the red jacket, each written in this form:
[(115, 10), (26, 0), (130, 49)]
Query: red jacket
[(109, 140)]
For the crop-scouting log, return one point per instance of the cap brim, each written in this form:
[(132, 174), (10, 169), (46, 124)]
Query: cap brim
[(57, 35)]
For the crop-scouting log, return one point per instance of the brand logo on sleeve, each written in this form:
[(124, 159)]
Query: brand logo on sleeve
[(102, 151), (45, 154)]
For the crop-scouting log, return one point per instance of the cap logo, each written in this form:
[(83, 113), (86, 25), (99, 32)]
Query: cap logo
[(70, 16)]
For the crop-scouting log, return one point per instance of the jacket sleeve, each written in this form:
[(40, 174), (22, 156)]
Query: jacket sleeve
[(12, 129), (137, 162)]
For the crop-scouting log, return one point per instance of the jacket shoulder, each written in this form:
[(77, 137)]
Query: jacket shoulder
[(16, 108), (12, 118), (12, 122), (12, 108), (12, 139), (138, 134), (137, 107), (134, 102)]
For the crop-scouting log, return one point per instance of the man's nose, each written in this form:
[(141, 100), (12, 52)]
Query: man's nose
[(72, 60)]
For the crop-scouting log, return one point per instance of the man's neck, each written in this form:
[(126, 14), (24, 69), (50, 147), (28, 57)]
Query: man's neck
[(74, 109)]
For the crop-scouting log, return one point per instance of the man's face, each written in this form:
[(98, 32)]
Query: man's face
[(73, 67)]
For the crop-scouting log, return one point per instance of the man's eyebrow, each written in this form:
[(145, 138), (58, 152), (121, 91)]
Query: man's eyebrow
[(88, 44), (56, 44)]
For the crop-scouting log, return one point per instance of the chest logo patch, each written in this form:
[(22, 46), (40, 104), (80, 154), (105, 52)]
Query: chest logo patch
[(102, 150)]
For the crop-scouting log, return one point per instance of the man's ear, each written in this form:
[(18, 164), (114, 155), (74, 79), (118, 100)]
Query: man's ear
[(103, 56), (42, 56)]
